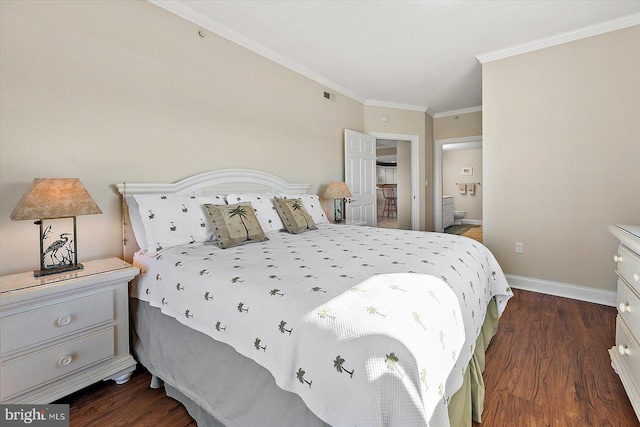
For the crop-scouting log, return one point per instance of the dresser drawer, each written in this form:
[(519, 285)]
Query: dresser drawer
[(40, 367), (56, 320), (628, 350), (628, 306), (629, 266)]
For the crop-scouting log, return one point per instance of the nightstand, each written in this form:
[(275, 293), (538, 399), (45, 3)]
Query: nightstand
[(63, 332)]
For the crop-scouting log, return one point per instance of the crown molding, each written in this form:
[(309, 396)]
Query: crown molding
[(182, 10), (458, 112), (594, 30), (384, 104)]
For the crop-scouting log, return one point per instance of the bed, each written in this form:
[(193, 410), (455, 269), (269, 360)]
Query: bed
[(323, 324)]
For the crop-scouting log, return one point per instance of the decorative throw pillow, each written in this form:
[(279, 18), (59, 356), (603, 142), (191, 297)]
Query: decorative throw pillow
[(235, 224), (312, 204), (294, 215), (263, 207)]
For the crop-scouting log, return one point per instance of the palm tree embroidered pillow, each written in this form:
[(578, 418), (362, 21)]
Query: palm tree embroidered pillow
[(235, 224), (313, 206), (294, 215), (263, 207)]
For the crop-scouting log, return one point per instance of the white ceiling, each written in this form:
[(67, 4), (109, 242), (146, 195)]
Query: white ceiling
[(409, 54)]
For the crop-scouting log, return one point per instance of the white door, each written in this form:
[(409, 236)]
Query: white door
[(360, 176)]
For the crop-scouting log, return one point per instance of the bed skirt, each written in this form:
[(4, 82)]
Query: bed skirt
[(201, 373)]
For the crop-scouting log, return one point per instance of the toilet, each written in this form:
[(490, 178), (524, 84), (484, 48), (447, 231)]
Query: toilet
[(457, 217)]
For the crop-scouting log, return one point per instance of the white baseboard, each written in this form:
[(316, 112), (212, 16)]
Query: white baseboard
[(565, 290), (472, 221)]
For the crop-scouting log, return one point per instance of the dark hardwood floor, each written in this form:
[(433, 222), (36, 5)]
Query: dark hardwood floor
[(107, 404), (547, 366)]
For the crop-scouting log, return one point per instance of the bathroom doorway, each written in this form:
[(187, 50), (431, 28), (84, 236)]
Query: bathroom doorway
[(465, 169)]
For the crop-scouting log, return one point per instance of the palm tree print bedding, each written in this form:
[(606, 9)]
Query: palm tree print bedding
[(342, 316)]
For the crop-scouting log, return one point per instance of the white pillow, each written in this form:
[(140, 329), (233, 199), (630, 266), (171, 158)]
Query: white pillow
[(264, 208), (171, 220), (312, 204), (136, 222)]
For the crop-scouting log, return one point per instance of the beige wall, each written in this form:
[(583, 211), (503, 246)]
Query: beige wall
[(452, 163), (388, 151), (124, 91), (561, 147), (458, 126), (408, 122)]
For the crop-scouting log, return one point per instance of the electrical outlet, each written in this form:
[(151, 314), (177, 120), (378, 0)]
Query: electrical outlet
[(519, 247)]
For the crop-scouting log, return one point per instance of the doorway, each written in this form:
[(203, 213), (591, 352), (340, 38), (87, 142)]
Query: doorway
[(472, 142), (404, 174), (388, 171)]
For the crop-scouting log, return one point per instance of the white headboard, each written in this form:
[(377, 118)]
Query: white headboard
[(218, 182), (221, 181)]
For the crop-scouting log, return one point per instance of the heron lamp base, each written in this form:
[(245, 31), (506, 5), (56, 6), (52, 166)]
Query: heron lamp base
[(55, 270)]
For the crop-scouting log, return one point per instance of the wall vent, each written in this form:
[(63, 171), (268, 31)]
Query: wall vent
[(328, 95)]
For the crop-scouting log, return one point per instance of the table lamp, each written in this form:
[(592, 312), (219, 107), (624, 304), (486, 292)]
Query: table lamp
[(54, 198), (338, 191)]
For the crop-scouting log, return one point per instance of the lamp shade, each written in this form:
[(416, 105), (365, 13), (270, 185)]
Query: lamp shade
[(337, 190), (50, 198)]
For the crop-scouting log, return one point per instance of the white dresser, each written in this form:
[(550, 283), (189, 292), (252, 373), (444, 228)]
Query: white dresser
[(625, 355), (63, 332)]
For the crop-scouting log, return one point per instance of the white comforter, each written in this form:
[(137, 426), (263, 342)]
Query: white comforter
[(368, 326)]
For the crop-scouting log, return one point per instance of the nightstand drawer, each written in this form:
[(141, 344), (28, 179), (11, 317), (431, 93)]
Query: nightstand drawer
[(35, 369), (629, 266), (32, 327)]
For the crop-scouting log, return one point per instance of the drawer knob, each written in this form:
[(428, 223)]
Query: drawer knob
[(623, 350), (636, 277), (617, 258), (66, 360), (624, 306), (63, 320)]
